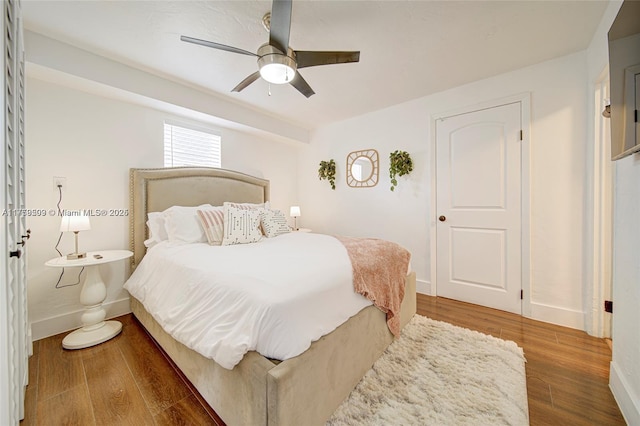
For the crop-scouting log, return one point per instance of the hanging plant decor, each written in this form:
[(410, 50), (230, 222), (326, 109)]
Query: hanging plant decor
[(327, 171), (400, 164)]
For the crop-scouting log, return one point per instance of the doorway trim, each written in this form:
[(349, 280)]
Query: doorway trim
[(525, 119), (599, 259)]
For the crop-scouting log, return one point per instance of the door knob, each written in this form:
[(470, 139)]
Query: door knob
[(442, 218)]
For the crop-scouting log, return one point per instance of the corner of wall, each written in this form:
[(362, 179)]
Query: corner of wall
[(629, 404), (424, 287)]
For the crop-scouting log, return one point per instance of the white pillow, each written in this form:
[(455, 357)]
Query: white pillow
[(155, 223), (241, 226), (148, 243), (182, 224), (273, 223), (212, 220), (157, 231)]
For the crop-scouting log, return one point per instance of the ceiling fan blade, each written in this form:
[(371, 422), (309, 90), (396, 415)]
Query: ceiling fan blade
[(216, 45), (301, 84), (311, 59), (247, 81), (280, 25)]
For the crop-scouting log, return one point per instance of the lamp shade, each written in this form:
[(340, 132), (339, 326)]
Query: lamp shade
[(294, 211), (74, 221)]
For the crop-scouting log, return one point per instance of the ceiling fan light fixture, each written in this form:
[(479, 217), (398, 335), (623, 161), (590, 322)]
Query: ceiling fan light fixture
[(276, 73), (276, 67)]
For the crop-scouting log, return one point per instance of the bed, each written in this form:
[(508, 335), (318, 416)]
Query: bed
[(305, 389)]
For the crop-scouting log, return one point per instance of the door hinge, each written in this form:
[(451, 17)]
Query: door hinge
[(635, 116), (521, 294), (608, 306), (521, 135)]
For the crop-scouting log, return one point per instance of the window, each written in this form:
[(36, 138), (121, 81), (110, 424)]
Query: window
[(184, 146)]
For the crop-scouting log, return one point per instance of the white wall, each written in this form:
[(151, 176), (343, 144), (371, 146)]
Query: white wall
[(558, 140), (625, 371), (93, 141)]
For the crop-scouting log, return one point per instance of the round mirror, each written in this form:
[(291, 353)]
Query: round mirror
[(362, 168)]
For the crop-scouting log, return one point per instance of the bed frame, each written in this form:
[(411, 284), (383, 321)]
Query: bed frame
[(304, 390)]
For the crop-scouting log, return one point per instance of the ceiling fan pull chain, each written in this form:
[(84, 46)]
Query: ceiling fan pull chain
[(269, 89)]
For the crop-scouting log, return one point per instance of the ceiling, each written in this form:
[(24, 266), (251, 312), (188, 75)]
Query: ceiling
[(409, 49)]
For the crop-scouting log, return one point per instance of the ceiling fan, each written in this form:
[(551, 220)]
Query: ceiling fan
[(277, 62)]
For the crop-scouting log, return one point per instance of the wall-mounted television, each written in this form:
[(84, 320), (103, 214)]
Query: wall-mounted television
[(624, 80)]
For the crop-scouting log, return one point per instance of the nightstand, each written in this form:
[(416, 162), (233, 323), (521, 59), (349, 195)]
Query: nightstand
[(94, 329), (301, 230)]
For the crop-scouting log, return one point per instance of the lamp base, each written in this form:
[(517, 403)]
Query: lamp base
[(74, 256)]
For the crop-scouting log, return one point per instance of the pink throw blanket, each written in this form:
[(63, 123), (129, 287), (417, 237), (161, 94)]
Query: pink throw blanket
[(379, 271)]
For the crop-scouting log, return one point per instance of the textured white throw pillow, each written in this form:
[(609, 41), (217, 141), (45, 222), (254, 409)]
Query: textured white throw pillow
[(273, 223), (183, 226), (212, 220), (241, 226), (248, 206)]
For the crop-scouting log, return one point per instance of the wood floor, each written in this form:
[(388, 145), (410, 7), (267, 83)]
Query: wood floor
[(567, 370), (127, 380)]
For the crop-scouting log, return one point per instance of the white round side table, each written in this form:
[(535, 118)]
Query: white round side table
[(94, 329)]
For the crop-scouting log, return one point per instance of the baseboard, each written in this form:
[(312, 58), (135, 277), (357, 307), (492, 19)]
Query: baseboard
[(557, 315), (539, 311), (71, 320), (423, 287), (629, 405)]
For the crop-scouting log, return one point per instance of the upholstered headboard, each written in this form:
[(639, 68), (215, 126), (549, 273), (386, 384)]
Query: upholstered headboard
[(154, 190)]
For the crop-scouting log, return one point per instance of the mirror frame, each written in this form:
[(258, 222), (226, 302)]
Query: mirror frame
[(372, 180)]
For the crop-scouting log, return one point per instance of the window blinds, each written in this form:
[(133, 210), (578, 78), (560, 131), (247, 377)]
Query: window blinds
[(190, 147)]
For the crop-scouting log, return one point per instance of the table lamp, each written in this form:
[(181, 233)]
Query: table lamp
[(294, 212), (75, 221)]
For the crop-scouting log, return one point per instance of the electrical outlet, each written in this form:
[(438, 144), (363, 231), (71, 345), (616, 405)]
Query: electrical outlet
[(59, 181)]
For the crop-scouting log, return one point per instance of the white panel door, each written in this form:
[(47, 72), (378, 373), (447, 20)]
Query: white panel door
[(478, 234)]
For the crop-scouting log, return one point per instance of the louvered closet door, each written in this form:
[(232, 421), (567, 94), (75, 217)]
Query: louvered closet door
[(15, 344)]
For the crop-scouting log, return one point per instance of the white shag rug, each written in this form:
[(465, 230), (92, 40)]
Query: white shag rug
[(436, 373)]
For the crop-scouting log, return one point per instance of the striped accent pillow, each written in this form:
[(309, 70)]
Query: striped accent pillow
[(212, 221), (241, 226), (273, 223), (248, 206)]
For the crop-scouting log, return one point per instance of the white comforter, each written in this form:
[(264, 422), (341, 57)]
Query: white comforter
[(275, 297)]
